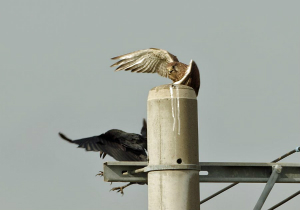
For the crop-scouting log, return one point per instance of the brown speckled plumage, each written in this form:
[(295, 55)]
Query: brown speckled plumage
[(160, 61)]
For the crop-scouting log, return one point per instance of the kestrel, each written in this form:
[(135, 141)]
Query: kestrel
[(160, 61)]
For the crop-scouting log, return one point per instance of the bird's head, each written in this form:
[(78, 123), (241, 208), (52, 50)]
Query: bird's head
[(171, 68), (172, 71)]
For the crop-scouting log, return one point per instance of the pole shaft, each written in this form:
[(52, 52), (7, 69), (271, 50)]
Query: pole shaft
[(173, 139)]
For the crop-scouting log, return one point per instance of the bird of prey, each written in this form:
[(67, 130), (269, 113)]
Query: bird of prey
[(160, 61), (120, 145)]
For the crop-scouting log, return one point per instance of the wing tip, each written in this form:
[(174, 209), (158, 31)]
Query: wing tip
[(63, 136), (144, 129), (115, 58)]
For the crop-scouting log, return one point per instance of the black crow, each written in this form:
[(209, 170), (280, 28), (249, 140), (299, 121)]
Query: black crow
[(120, 145)]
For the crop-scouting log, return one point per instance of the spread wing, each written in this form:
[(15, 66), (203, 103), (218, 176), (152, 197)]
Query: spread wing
[(191, 77), (118, 144), (144, 129), (146, 61)]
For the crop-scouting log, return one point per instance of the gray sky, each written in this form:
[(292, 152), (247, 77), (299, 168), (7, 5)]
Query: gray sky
[(55, 76)]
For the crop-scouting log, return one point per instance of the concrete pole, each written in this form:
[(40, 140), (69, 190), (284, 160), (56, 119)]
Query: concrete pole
[(173, 140)]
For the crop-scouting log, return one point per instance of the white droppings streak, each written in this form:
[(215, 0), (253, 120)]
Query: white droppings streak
[(175, 109), (173, 114), (178, 111)]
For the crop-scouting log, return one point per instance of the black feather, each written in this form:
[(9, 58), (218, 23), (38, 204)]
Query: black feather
[(118, 144)]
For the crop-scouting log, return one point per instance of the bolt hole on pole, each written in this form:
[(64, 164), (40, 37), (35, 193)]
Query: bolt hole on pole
[(179, 161)]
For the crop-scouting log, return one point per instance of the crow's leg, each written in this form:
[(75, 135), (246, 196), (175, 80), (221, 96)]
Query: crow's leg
[(100, 173), (120, 189)]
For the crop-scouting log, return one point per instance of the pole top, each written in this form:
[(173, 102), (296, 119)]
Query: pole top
[(171, 91)]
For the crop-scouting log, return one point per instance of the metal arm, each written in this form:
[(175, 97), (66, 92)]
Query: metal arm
[(268, 187), (236, 183)]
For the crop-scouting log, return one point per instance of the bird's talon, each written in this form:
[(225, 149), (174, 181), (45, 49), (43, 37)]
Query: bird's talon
[(118, 189), (100, 173)]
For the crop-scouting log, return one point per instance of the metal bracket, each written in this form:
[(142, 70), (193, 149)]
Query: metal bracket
[(217, 172), (150, 168), (273, 178), (277, 168)]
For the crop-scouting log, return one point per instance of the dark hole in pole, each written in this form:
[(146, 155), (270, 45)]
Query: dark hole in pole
[(124, 172), (179, 161)]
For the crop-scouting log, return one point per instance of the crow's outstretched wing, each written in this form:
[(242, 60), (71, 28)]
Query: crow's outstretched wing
[(118, 144), (125, 146)]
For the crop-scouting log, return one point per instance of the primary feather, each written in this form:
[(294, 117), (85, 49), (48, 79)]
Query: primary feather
[(118, 144)]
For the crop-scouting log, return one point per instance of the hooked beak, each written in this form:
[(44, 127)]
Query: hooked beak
[(170, 70)]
